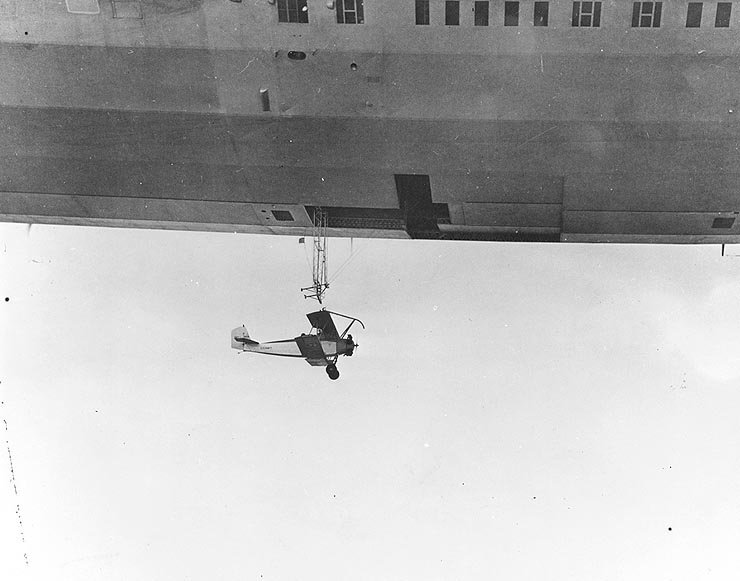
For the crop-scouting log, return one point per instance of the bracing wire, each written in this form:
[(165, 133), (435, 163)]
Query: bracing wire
[(346, 263), (321, 278)]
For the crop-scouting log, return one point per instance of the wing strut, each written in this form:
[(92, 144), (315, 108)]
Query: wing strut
[(352, 321)]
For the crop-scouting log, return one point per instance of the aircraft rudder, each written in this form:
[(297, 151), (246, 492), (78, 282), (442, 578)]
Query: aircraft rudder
[(240, 338)]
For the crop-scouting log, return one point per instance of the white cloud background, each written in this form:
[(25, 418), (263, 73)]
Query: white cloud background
[(514, 410)]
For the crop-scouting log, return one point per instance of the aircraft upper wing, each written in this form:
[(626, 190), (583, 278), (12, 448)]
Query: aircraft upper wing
[(322, 320), (310, 347)]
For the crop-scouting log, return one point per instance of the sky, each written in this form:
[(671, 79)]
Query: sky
[(518, 411)]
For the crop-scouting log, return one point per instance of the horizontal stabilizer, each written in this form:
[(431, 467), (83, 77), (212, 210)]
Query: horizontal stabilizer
[(240, 338)]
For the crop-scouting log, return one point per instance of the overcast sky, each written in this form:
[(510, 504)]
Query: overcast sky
[(514, 411)]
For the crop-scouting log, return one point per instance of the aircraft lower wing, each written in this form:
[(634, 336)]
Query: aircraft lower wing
[(310, 347)]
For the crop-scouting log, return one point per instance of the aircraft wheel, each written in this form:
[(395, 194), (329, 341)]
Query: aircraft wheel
[(332, 371)]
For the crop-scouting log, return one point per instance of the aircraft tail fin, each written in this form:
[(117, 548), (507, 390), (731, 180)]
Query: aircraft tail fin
[(240, 339)]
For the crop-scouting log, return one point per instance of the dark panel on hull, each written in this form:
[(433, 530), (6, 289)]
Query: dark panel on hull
[(415, 200), (367, 218), (501, 236)]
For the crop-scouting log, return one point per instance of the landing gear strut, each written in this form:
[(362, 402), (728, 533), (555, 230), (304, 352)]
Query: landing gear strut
[(332, 371)]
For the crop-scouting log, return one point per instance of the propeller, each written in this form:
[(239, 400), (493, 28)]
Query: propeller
[(354, 345)]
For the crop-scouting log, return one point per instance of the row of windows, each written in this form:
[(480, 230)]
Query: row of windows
[(721, 20), (348, 11), (585, 14), (481, 13)]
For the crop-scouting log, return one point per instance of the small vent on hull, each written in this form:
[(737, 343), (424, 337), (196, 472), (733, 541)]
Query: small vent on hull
[(81, 6), (724, 223), (127, 9), (282, 215)]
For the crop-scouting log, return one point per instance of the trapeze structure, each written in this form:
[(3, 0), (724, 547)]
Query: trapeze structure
[(319, 260)]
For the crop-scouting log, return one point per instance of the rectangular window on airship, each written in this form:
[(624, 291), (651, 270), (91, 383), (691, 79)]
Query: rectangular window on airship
[(723, 15), (481, 13), (292, 11), (646, 14), (452, 12), (422, 12), (693, 15), (350, 12), (541, 13), (511, 13), (586, 14)]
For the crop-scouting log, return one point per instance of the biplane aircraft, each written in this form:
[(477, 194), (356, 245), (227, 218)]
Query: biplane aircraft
[(322, 346)]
